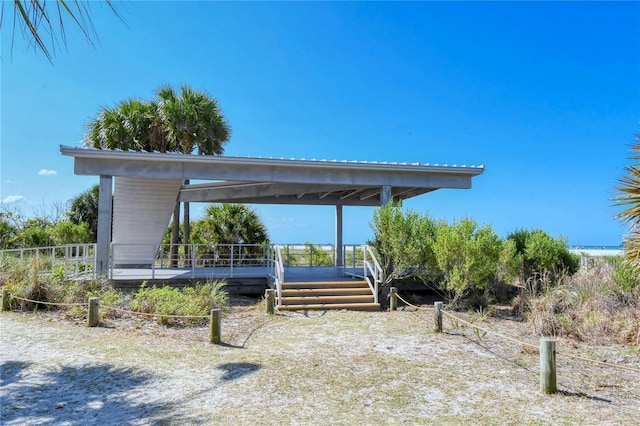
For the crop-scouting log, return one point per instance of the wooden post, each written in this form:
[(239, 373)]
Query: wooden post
[(269, 299), (437, 316), (92, 317), (393, 298), (215, 326), (5, 299), (548, 382)]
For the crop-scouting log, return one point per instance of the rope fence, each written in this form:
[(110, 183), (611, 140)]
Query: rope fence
[(84, 305), (547, 349), (93, 305), (111, 308)]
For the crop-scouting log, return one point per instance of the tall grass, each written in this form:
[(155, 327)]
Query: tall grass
[(592, 305), (24, 280)]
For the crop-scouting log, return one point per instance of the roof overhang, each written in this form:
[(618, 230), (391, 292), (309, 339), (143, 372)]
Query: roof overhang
[(276, 181)]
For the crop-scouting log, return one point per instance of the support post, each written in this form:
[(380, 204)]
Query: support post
[(215, 324), (269, 299), (393, 298), (339, 259), (104, 225), (548, 380), (5, 299), (92, 317), (437, 316), (385, 195)]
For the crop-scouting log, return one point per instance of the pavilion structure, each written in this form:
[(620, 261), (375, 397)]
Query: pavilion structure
[(145, 187)]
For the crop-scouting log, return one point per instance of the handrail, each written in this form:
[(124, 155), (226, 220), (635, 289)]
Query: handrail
[(372, 268), (278, 273)]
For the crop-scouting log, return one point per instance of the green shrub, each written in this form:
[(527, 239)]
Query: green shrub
[(471, 258), (191, 301), (624, 275)]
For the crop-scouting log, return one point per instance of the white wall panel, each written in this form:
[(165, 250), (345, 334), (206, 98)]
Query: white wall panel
[(142, 210)]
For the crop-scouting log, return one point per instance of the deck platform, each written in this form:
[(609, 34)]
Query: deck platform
[(242, 280)]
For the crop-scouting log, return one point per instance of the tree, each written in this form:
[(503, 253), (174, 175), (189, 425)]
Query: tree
[(67, 232), (629, 197), (190, 120), (132, 125), (471, 258), (35, 17), (8, 233), (84, 209), (403, 240), (172, 122), (230, 224), (227, 224), (544, 258)]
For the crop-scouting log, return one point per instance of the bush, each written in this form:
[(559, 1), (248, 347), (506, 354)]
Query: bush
[(471, 258), (191, 301), (624, 275)]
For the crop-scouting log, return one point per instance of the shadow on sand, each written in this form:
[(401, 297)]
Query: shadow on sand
[(91, 394)]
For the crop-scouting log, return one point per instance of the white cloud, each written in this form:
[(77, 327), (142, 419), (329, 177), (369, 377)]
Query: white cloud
[(46, 172), (13, 199)]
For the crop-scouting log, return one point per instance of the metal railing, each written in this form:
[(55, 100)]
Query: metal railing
[(362, 258), (275, 260), (308, 254), (190, 257), (373, 272), (71, 260)]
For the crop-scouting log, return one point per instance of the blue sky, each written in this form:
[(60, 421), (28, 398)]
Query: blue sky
[(545, 95)]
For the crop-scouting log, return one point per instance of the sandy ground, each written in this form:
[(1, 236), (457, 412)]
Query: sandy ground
[(297, 368)]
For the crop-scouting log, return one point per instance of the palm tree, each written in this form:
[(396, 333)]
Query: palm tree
[(35, 17), (131, 125), (190, 120), (184, 122), (84, 209), (629, 197), (228, 224)]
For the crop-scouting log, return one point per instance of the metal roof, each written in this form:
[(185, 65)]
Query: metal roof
[(256, 180)]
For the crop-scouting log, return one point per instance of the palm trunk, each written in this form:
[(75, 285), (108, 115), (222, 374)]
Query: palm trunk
[(175, 236), (187, 231)]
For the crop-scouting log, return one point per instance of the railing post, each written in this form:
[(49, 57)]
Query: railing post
[(92, 317), (269, 300), (215, 326), (393, 298), (5, 299), (548, 383), (231, 259), (192, 252), (437, 316)]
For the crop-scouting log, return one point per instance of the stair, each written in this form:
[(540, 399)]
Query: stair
[(353, 295)]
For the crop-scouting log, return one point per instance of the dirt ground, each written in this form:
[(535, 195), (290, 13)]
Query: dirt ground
[(326, 367)]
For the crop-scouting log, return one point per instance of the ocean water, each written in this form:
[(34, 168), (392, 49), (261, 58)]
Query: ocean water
[(618, 247)]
